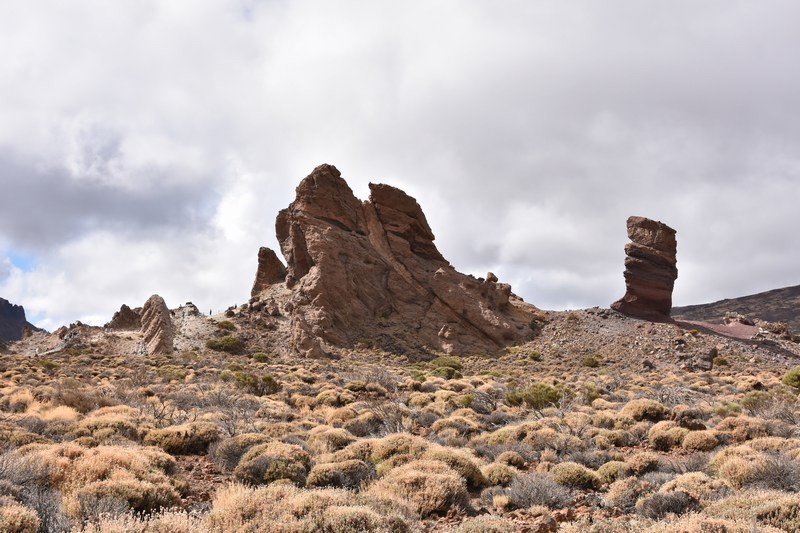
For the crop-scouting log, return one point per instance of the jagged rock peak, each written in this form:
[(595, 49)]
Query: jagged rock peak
[(12, 321), (125, 318), (650, 270), (270, 271), (157, 327), (368, 274)]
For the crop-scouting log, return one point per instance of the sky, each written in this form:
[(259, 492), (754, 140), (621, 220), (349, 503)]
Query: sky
[(146, 146)]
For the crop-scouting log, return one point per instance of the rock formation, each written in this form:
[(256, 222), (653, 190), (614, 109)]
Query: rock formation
[(368, 274), (157, 326), (13, 321), (650, 270), (125, 318), (270, 271)]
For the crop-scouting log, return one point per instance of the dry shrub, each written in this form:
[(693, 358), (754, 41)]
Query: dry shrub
[(325, 439), (742, 428), (644, 409), (776, 471), (698, 485), (624, 493), (160, 522), (427, 487), (700, 441), (273, 461), (226, 453), (107, 477), (666, 435), (349, 474), (337, 417), (398, 444), (658, 505), (511, 458), (486, 524), (185, 439), (364, 424), (459, 425), (15, 518), (612, 471), (283, 508), (574, 475), (699, 523), (642, 462), (499, 474), (736, 464), (537, 489), (459, 461), (764, 507), (107, 422)]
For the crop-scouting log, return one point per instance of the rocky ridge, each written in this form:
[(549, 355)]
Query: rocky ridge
[(368, 274), (157, 326)]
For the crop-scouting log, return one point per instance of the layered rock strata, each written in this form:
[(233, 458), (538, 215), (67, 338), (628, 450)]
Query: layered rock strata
[(367, 274), (650, 270), (157, 328)]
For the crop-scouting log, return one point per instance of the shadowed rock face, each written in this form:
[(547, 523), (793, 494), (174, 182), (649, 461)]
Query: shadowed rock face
[(12, 321), (125, 318), (650, 270), (368, 274), (157, 326), (270, 271)]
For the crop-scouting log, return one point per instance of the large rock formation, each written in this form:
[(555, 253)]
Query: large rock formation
[(125, 318), (270, 271), (368, 274), (13, 321), (650, 270), (157, 326)]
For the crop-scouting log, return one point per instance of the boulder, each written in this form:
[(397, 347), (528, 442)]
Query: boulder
[(157, 326), (125, 318), (368, 274), (650, 270), (270, 271)]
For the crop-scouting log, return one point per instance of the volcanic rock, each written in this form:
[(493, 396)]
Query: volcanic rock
[(650, 270), (13, 321), (270, 271), (369, 275), (157, 326), (125, 318)]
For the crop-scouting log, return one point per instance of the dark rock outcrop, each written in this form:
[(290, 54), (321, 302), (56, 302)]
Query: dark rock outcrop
[(270, 271), (369, 275), (12, 321), (125, 318), (650, 270), (157, 326)]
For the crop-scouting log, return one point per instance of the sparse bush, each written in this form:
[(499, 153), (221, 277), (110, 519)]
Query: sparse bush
[(15, 518), (660, 504), (229, 344), (226, 325), (776, 471), (591, 361), (537, 489), (537, 396)]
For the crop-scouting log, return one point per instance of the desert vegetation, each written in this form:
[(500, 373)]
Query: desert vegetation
[(571, 436)]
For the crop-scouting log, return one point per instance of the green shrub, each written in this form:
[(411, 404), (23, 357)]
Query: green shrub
[(574, 475), (260, 357), (446, 372), (535, 356), (172, 372), (228, 344), (591, 361), (447, 361), (537, 396), (260, 386), (226, 325), (720, 361), (792, 377)]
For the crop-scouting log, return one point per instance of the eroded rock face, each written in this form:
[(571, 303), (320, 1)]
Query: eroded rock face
[(270, 271), (157, 326), (125, 318), (368, 274), (13, 321), (650, 270)]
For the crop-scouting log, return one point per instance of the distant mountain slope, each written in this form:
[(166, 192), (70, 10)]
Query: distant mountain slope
[(778, 305), (12, 321)]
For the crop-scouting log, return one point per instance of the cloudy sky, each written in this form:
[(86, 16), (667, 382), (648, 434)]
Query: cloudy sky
[(147, 145)]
